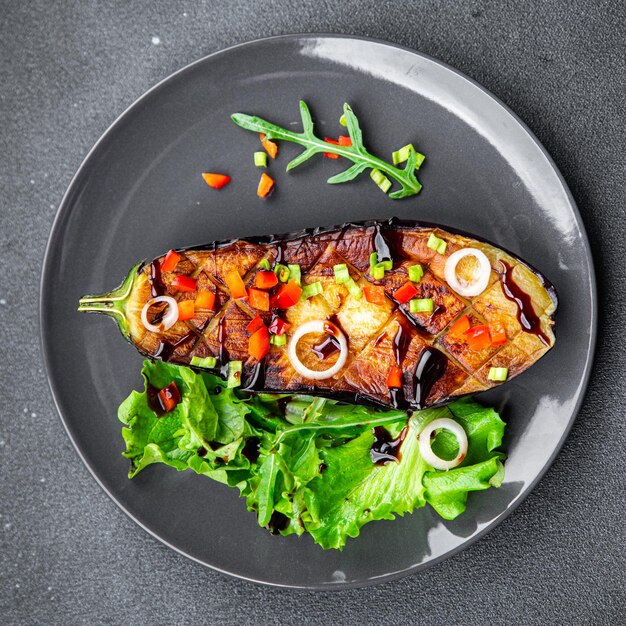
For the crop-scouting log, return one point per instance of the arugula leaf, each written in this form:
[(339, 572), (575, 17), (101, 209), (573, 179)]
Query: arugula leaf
[(356, 153), (313, 468)]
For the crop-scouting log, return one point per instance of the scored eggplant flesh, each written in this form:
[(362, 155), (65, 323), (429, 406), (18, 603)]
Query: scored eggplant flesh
[(437, 365)]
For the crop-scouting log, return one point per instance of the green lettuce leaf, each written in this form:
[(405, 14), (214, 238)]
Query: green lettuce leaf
[(305, 461)]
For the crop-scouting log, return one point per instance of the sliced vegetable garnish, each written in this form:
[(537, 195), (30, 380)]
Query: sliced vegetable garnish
[(235, 284), (278, 340), (421, 305), (377, 272), (259, 343), (265, 279), (234, 374), (342, 273), (460, 327), (374, 294), (286, 296), (278, 326), (205, 300), (170, 261), (353, 288), (217, 181), (313, 289), (478, 283), (435, 243), (266, 185), (342, 120), (320, 327), (401, 155), (210, 362), (186, 310), (498, 374), (270, 146), (282, 272), (295, 273), (260, 159), (416, 273), (498, 333), (331, 155), (361, 158), (344, 140), (426, 438), (255, 324), (169, 397), (394, 378), (478, 337), (259, 299), (169, 318), (380, 179), (405, 293), (184, 283), (264, 264)]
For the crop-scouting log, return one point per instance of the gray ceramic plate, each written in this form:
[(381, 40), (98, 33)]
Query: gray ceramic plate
[(139, 192)]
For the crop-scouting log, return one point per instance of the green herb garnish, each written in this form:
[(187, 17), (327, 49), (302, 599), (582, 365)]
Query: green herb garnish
[(361, 158)]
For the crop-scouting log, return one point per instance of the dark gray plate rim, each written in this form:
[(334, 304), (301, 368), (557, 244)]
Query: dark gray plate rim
[(57, 229)]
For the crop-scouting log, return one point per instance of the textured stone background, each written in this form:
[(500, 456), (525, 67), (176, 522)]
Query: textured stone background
[(67, 554)]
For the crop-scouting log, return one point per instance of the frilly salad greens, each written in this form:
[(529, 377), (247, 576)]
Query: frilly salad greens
[(380, 171), (303, 464)]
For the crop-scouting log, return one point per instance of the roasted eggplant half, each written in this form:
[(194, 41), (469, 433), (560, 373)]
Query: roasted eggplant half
[(397, 313)]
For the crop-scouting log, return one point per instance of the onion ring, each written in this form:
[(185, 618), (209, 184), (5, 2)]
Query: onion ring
[(169, 319), (462, 287), (317, 326), (426, 451)]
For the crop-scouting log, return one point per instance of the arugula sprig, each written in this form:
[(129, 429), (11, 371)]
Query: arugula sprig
[(357, 153)]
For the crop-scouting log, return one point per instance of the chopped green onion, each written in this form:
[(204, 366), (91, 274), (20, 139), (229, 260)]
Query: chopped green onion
[(208, 361), (353, 288), (421, 305), (498, 374), (342, 274), (278, 340), (380, 179), (294, 273), (378, 272), (434, 243), (264, 264), (386, 265), (415, 273), (314, 289), (234, 374), (260, 159), (401, 155), (373, 260), (342, 120), (419, 159), (282, 272)]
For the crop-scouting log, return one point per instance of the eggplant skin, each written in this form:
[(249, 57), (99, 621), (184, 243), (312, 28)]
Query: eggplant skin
[(373, 330)]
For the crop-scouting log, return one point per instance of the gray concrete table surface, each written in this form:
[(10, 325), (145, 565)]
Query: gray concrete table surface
[(68, 555)]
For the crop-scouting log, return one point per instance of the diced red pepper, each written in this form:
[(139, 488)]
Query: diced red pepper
[(259, 343), (205, 300), (266, 185), (405, 293), (460, 327), (235, 283), (331, 155), (169, 397), (170, 261), (184, 283), (374, 294), (255, 324), (186, 310), (478, 338), (287, 295), (394, 378), (270, 147), (344, 140), (498, 333), (265, 279), (278, 326), (217, 181), (259, 299)]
